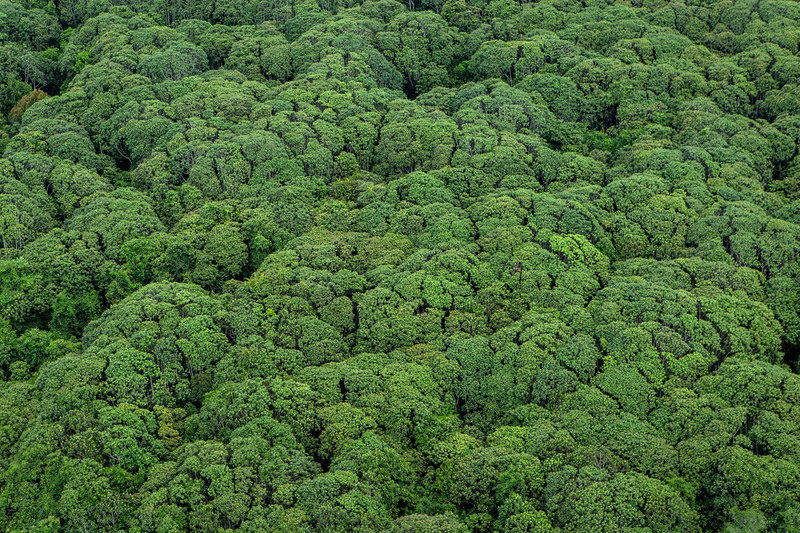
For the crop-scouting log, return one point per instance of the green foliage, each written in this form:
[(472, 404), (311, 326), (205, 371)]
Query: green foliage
[(378, 266), (161, 344)]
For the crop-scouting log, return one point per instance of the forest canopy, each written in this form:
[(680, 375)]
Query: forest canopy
[(431, 266)]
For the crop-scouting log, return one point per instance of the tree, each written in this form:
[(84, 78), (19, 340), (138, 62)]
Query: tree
[(152, 366), (24, 103), (176, 61)]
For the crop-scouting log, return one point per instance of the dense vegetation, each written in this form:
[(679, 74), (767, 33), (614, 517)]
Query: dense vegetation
[(436, 266)]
